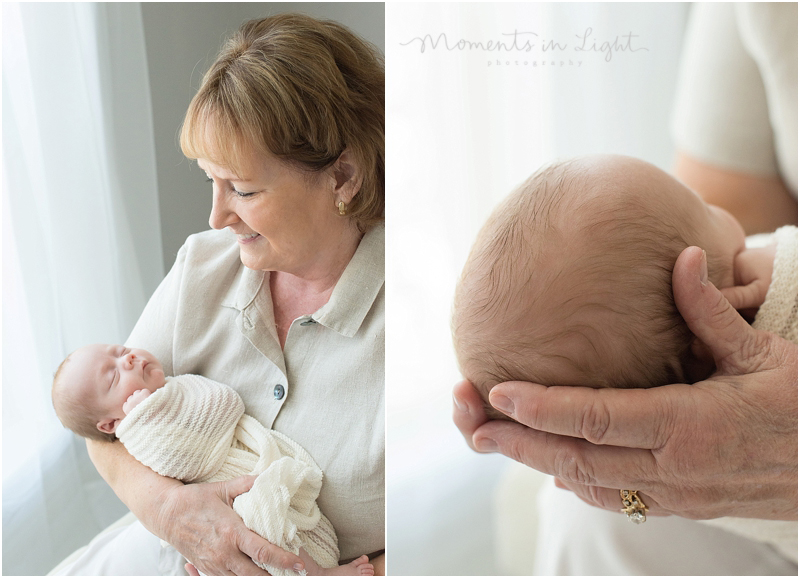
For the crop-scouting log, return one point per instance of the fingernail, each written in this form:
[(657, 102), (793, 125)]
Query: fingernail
[(704, 270), (298, 567), (502, 403), (486, 445), (462, 407)]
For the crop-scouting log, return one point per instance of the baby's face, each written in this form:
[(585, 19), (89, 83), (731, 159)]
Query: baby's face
[(108, 374)]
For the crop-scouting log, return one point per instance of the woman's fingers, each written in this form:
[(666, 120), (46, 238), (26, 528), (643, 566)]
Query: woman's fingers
[(573, 460), (468, 414), (191, 570), (257, 548), (632, 418), (204, 528), (735, 345), (231, 489), (607, 498), (254, 546)]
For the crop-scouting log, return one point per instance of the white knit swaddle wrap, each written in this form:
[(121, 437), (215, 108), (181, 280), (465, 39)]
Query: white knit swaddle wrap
[(185, 429), (194, 429), (777, 315)]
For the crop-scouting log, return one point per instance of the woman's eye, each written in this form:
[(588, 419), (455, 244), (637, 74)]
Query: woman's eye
[(241, 194)]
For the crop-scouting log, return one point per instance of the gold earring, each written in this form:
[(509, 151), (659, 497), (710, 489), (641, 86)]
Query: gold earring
[(342, 208)]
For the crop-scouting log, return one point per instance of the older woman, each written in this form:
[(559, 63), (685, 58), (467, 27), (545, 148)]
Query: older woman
[(283, 301)]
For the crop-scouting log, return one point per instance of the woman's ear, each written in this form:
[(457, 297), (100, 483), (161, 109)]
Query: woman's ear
[(108, 425), (348, 177)]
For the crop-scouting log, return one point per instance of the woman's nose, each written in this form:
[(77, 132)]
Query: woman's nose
[(221, 213)]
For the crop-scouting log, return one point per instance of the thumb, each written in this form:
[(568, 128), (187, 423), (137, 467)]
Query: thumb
[(231, 489), (710, 316)]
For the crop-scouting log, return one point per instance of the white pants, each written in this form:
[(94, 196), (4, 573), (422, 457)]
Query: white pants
[(577, 539), (127, 551)]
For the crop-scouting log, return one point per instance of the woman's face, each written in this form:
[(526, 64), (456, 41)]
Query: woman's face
[(284, 220)]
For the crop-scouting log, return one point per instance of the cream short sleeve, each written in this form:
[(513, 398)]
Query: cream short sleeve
[(736, 104)]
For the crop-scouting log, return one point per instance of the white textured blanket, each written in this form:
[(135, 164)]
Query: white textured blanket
[(194, 429)]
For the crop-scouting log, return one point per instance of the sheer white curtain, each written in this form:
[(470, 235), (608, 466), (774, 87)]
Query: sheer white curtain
[(465, 125), (81, 249)]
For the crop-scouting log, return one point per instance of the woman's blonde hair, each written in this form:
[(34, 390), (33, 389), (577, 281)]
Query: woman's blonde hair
[(299, 88)]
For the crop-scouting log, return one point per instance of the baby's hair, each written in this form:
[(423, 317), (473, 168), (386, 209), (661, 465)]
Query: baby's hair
[(570, 283), (75, 414)]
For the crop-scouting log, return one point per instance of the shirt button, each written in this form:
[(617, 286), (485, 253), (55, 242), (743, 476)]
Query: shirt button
[(278, 392)]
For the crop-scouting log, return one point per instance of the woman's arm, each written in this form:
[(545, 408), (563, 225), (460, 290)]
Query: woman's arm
[(726, 446), (760, 203), (379, 562), (197, 519)]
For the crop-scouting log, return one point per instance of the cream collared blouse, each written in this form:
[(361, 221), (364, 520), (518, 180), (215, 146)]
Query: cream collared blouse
[(212, 316)]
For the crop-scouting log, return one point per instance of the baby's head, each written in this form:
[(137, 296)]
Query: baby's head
[(93, 383), (570, 280)]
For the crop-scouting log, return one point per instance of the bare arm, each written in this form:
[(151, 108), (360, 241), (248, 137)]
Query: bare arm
[(760, 203), (380, 565), (197, 519), (139, 487)]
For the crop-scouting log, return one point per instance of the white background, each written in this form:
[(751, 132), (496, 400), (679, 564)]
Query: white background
[(462, 132)]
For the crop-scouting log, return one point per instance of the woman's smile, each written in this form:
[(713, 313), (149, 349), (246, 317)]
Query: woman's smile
[(247, 238)]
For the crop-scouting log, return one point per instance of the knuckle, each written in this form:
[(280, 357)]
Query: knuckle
[(228, 534), (596, 496), (595, 420), (756, 347), (262, 556), (572, 465), (720, 315), (666, 422), (517, 451), (529, 414)]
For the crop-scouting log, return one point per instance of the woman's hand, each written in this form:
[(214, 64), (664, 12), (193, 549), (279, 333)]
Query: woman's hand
[(726, 446), (198, 520)]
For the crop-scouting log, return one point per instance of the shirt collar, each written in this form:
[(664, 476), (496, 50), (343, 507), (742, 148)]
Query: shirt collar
[(352, 298), (244, 288), (357, 288)]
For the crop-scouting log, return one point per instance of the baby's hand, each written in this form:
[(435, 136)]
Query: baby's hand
[(752, 271), (135, 399)]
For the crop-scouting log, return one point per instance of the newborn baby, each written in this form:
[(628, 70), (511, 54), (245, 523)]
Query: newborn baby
[(570, 283), (194, 429)]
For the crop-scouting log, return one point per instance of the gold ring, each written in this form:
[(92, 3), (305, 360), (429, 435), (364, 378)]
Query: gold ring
[(635, 508)]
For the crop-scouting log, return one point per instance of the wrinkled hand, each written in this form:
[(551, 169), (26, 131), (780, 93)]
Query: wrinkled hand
[(198, 520), (726, 446), (135, 399)]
